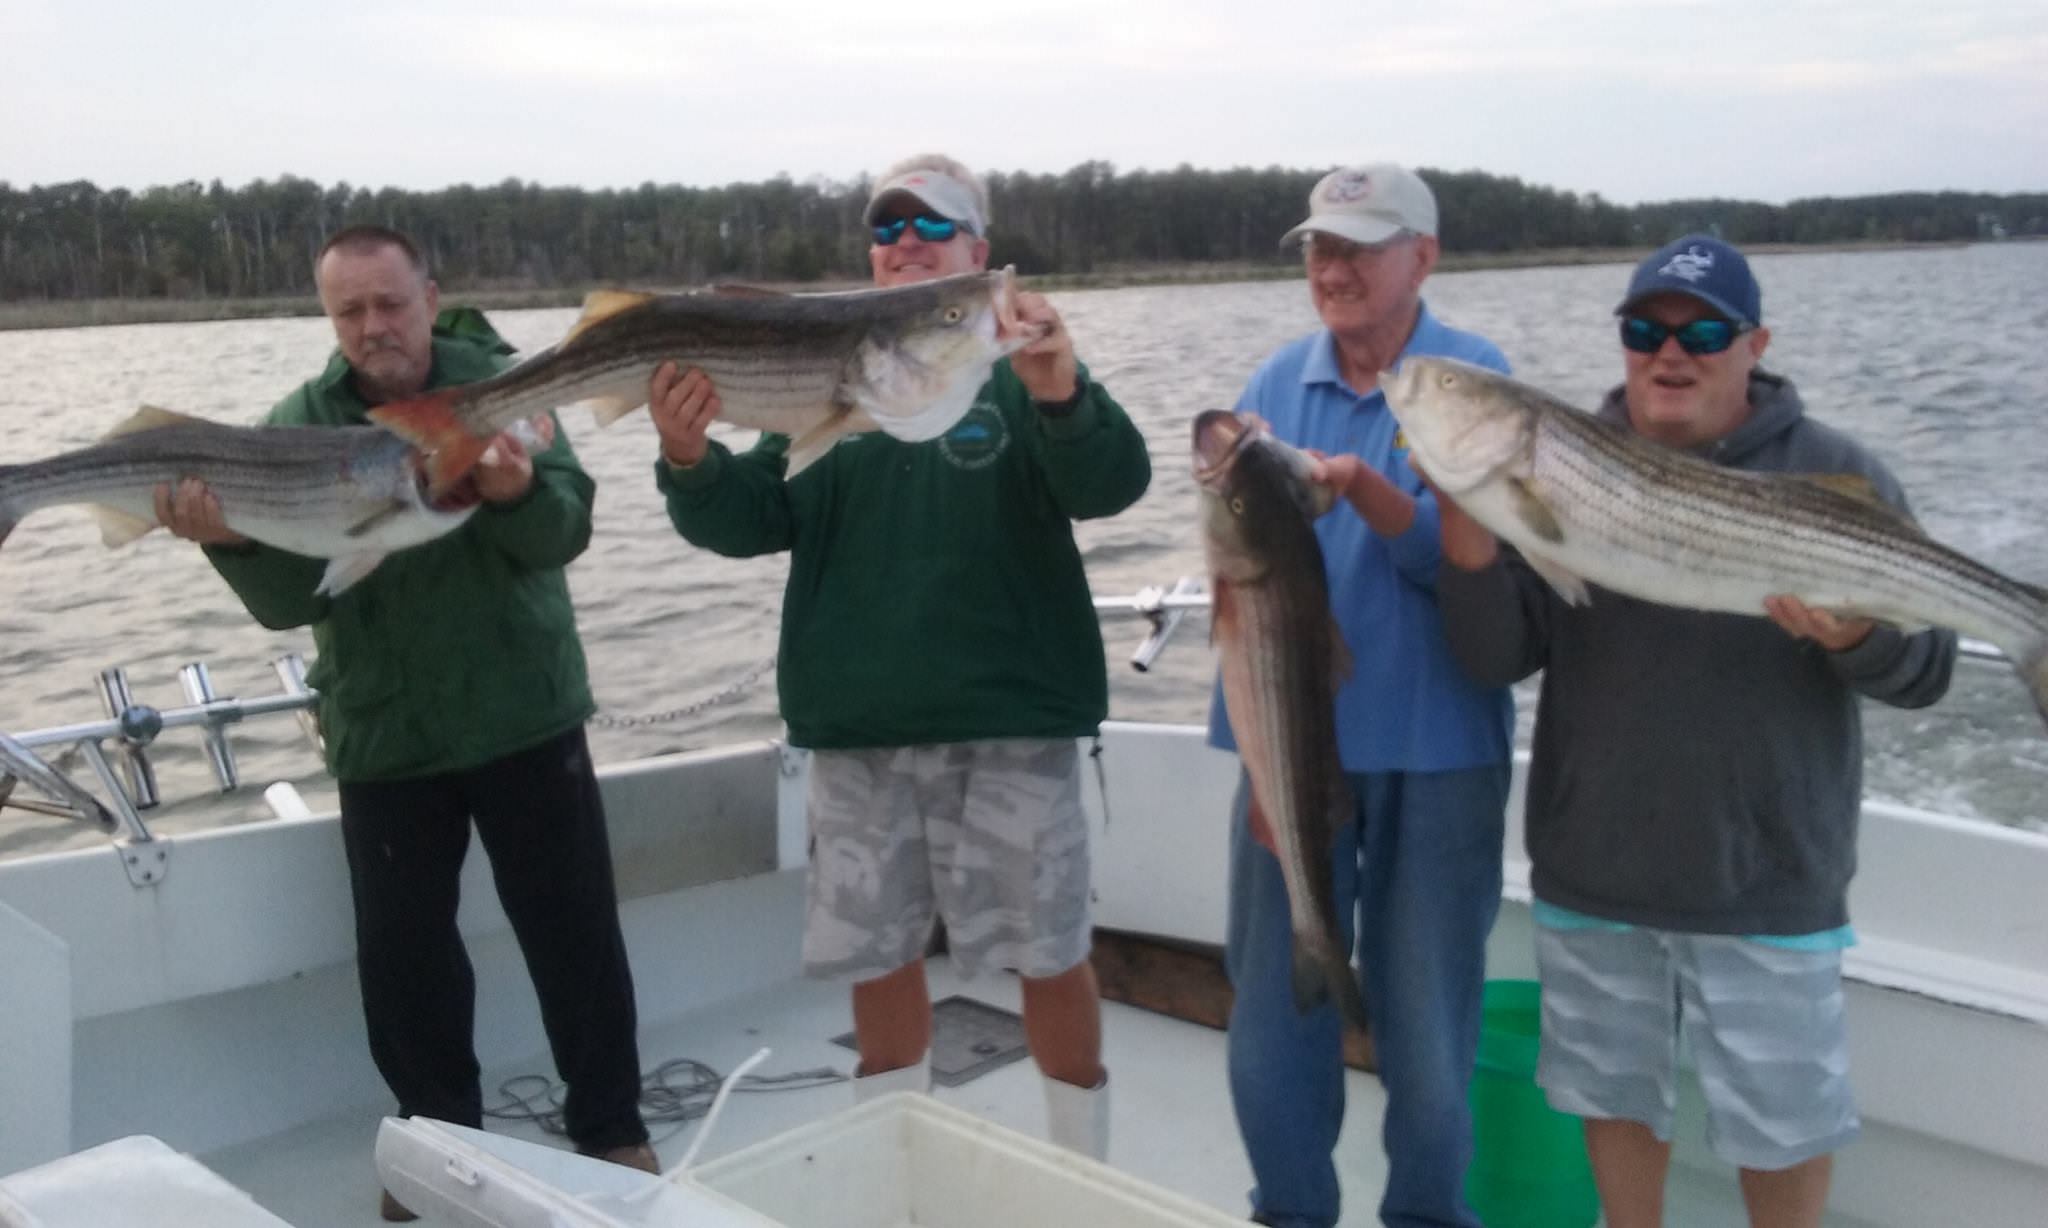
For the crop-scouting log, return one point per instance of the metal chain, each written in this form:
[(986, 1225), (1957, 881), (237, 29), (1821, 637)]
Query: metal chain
[(724, 695)]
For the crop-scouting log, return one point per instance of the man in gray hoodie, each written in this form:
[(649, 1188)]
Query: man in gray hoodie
[(1694, 787)]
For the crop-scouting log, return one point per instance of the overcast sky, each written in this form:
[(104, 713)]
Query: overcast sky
[(1634, 99)]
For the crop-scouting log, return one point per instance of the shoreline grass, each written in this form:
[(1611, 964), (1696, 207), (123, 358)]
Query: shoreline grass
[(88, 313)]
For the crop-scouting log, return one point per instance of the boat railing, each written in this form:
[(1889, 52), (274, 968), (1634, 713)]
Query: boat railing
[(117, 748)]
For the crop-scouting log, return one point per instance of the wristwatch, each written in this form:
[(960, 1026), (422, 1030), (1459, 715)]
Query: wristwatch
[(1060, 409)]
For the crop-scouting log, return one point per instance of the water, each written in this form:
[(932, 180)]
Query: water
[(1937, 359)]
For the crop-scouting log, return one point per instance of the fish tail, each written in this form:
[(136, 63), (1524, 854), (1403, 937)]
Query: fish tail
[(2031, 658), (429, 423), (1320, 973), (9, 517), (2034, 669)]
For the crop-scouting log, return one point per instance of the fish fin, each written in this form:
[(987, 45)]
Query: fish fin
[(148, 418), (1534, 512), (1859, 489), (602, 305), (733, 289), (1567, 583), (806, 448), (1341, 663), (344, 570), (1222, 606), (1851, 485), (118, 528), (609, 409), (429, 423)]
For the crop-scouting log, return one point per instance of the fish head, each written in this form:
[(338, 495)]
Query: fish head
[(1257, 502), (918, 370), (1463, 423)]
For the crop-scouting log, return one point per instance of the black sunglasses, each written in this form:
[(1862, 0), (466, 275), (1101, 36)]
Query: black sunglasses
[(929, 226), (1699, 337)]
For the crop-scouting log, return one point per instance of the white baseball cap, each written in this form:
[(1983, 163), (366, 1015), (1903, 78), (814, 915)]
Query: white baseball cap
[(934, 189), (1368, 204)]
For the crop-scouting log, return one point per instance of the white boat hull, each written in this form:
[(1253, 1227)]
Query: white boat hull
[(216, 1006)]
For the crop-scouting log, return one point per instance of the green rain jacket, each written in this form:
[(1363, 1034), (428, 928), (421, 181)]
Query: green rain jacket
[(935, 591), (452, 653)]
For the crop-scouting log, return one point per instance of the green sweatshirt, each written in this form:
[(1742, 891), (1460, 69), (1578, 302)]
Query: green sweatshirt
[(935, 592), (452, 653)]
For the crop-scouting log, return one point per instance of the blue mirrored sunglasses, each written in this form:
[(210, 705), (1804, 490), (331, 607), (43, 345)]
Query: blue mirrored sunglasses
[(1699, 337), (929, 226)]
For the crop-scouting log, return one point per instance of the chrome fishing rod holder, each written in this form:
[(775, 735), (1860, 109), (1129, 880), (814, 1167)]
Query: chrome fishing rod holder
[(138, 726), (198, 687), (133, 727), (1163, 608)]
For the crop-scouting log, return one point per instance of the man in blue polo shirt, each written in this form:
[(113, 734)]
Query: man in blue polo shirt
[(1425, 750)]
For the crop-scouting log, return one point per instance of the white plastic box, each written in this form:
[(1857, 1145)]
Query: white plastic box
[(900, 1161), (907, 1161)]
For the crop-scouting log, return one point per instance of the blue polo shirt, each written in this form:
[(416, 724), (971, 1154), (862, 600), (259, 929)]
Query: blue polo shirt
[(1407, 706)]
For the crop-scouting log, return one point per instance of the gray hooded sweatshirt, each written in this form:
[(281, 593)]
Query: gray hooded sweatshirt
[(1694, 771)]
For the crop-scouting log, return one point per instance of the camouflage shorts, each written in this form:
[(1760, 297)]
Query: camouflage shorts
[(990, 835)]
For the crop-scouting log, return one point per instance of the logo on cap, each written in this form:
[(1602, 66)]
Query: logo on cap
[(1692, 264), (1349, 186)]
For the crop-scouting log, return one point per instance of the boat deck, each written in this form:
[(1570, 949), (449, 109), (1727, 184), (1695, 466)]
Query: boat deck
[(1171, 1119)]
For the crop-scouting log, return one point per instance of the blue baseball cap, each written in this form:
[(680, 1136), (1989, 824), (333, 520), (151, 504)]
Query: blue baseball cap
[(1701, 267)]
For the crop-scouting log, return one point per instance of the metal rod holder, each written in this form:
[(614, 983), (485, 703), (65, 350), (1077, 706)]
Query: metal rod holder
[(291, 675), (1165, 619), (198, 685), (138, 775)]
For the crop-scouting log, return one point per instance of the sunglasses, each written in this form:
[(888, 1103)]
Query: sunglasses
[(929, 226), (1699, 337)]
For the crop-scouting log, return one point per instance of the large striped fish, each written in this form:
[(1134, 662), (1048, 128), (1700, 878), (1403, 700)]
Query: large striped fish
[(816, 367), (1586, 500), (350, 494), (1281, 656)]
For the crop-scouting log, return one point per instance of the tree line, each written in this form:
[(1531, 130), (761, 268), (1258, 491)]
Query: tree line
[(74, 241)]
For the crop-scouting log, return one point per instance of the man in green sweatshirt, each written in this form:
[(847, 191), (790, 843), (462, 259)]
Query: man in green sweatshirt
[(453, 688), (940, 655)]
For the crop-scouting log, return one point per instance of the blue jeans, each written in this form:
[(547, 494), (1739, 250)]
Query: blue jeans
[(1418, 883)]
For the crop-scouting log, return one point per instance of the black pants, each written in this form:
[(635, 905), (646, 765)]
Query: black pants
[(542, 823)]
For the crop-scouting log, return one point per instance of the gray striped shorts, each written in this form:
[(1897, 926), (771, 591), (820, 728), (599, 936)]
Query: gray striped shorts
[(990, 835), (1764, 1026)]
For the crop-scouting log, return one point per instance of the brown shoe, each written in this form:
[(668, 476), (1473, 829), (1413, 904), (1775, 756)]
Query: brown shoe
[(394, 1211), (634, 1155)]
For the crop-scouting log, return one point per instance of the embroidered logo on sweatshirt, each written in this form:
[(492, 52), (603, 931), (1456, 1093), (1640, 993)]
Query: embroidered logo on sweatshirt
[(978, 440)]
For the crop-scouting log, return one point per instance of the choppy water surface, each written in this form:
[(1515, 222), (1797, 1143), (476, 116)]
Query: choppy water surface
[(1937, 359)]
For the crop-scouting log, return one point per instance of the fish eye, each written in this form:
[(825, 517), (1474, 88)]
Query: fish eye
[(953, 315), (1237, 505)]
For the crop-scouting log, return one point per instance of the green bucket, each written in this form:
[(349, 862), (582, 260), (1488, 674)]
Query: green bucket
[(1529, 1169)]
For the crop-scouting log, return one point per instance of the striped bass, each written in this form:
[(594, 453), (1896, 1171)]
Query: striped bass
[(1587, 500), (350, 494), (906, 360), (1281, 657)]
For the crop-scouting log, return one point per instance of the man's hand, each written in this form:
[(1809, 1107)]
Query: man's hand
[(1381, 504), (505, 471), (192, 512), (1047, 366), (683, 405), (1807, 623)]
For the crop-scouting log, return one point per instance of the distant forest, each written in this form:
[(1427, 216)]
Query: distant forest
[(73, 241)]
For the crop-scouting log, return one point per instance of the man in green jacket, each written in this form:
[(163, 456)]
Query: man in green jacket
[(940, 655), (453, 688)]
